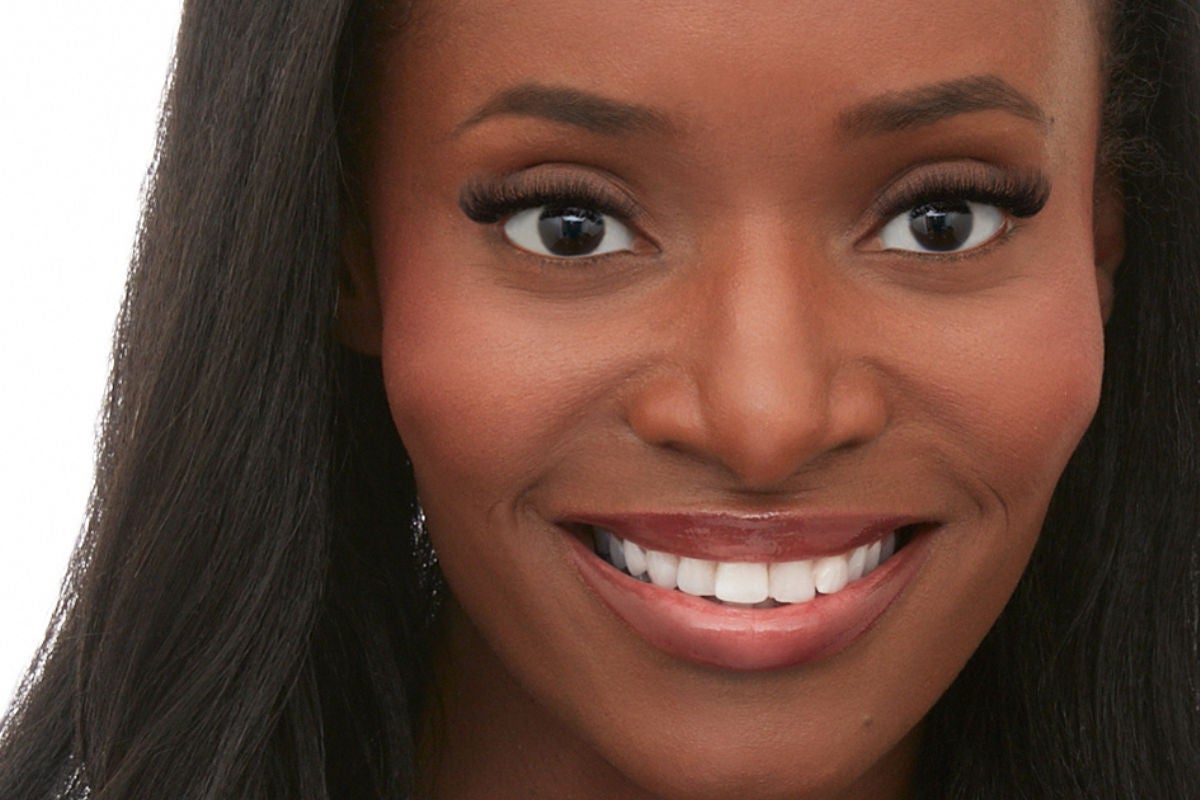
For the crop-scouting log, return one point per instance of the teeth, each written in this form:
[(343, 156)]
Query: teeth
[(792, 581), (887, 548), (635, 559), (697, 577), (856, 564), (744, 583), (616, 550), (873, 553), (831, 574), (663, 568)]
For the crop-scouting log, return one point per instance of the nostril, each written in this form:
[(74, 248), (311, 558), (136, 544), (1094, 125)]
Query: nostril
[(664, 411)]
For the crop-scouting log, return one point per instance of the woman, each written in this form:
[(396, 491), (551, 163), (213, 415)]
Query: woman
[(829, 355)]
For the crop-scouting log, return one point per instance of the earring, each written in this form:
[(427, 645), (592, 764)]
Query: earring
[(429, 570)]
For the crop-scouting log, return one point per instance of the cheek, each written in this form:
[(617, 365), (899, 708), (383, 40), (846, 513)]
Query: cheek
[(1031, 383), (1007, 403), (999, 400), (475, 393), (1034, 359)]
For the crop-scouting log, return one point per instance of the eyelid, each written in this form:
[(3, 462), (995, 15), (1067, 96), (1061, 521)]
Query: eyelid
[(1019, 192), (489, 200)]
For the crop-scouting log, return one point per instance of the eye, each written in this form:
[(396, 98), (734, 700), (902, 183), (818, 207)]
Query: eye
[(943, 226), (567, 231)]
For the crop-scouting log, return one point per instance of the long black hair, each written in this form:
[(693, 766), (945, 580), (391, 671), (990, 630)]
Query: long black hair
[(248, 613)]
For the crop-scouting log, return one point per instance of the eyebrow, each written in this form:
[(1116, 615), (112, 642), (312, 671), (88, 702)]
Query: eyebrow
[(576, 107), (888, 113), (925, 105)]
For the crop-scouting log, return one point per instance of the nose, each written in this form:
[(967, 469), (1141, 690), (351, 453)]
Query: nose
[(769, 368)]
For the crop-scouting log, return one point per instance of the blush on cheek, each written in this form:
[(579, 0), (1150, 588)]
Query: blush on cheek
[(467, 408), (449, 388), (447, 417), (1048, 395)]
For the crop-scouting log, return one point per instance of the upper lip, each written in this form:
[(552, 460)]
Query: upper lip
[(733, 536)]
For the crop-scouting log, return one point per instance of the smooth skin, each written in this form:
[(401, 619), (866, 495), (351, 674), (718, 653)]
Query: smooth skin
[(758, 347)]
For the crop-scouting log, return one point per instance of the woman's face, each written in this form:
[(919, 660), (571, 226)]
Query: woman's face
[(757, 285)]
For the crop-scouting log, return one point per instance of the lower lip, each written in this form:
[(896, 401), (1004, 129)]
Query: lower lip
[(746, 639)]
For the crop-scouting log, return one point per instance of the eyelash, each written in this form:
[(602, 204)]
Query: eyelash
[(1019, 194), (488, 203)]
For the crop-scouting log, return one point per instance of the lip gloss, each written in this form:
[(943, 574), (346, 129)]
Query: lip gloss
[(749, 639), (777, 536)]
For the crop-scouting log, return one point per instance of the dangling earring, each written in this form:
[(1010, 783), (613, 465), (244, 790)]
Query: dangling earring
[(429, 571), (420, 535)]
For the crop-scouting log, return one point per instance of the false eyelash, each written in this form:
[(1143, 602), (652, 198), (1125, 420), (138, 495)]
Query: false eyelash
[(486, 202), (1021, 193)]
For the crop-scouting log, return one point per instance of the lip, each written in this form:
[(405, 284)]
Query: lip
[(741, 639), (766, 537)]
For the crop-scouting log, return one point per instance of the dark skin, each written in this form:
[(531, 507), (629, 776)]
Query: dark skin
[(758, 340)]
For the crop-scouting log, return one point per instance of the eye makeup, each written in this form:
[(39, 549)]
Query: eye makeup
[(1019, 193), (488, 201)]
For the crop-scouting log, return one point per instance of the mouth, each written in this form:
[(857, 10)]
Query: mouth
[(748, 584), (748, 593)]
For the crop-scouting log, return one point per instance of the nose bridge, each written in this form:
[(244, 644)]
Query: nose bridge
[(763, 367), (763, 362)]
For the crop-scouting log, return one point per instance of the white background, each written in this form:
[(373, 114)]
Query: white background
[(80, 86)]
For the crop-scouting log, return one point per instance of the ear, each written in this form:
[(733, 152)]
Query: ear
[(1108, 237), (359, 322)]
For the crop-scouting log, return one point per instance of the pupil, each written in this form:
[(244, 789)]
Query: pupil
[(941, 227), (570, 231)]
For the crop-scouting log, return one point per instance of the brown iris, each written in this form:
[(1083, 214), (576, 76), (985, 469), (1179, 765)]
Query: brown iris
[(941, 227), (570, 230)]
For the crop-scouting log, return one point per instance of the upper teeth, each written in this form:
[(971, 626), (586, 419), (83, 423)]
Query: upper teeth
[(745, 582)]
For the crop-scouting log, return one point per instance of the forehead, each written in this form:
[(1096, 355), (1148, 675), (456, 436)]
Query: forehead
[(703, 60)]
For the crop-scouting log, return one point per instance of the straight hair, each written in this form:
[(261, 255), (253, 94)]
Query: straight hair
[(249, 611)]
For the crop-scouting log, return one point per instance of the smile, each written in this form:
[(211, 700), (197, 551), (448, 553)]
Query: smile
[(747, 593), (744, 583)]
